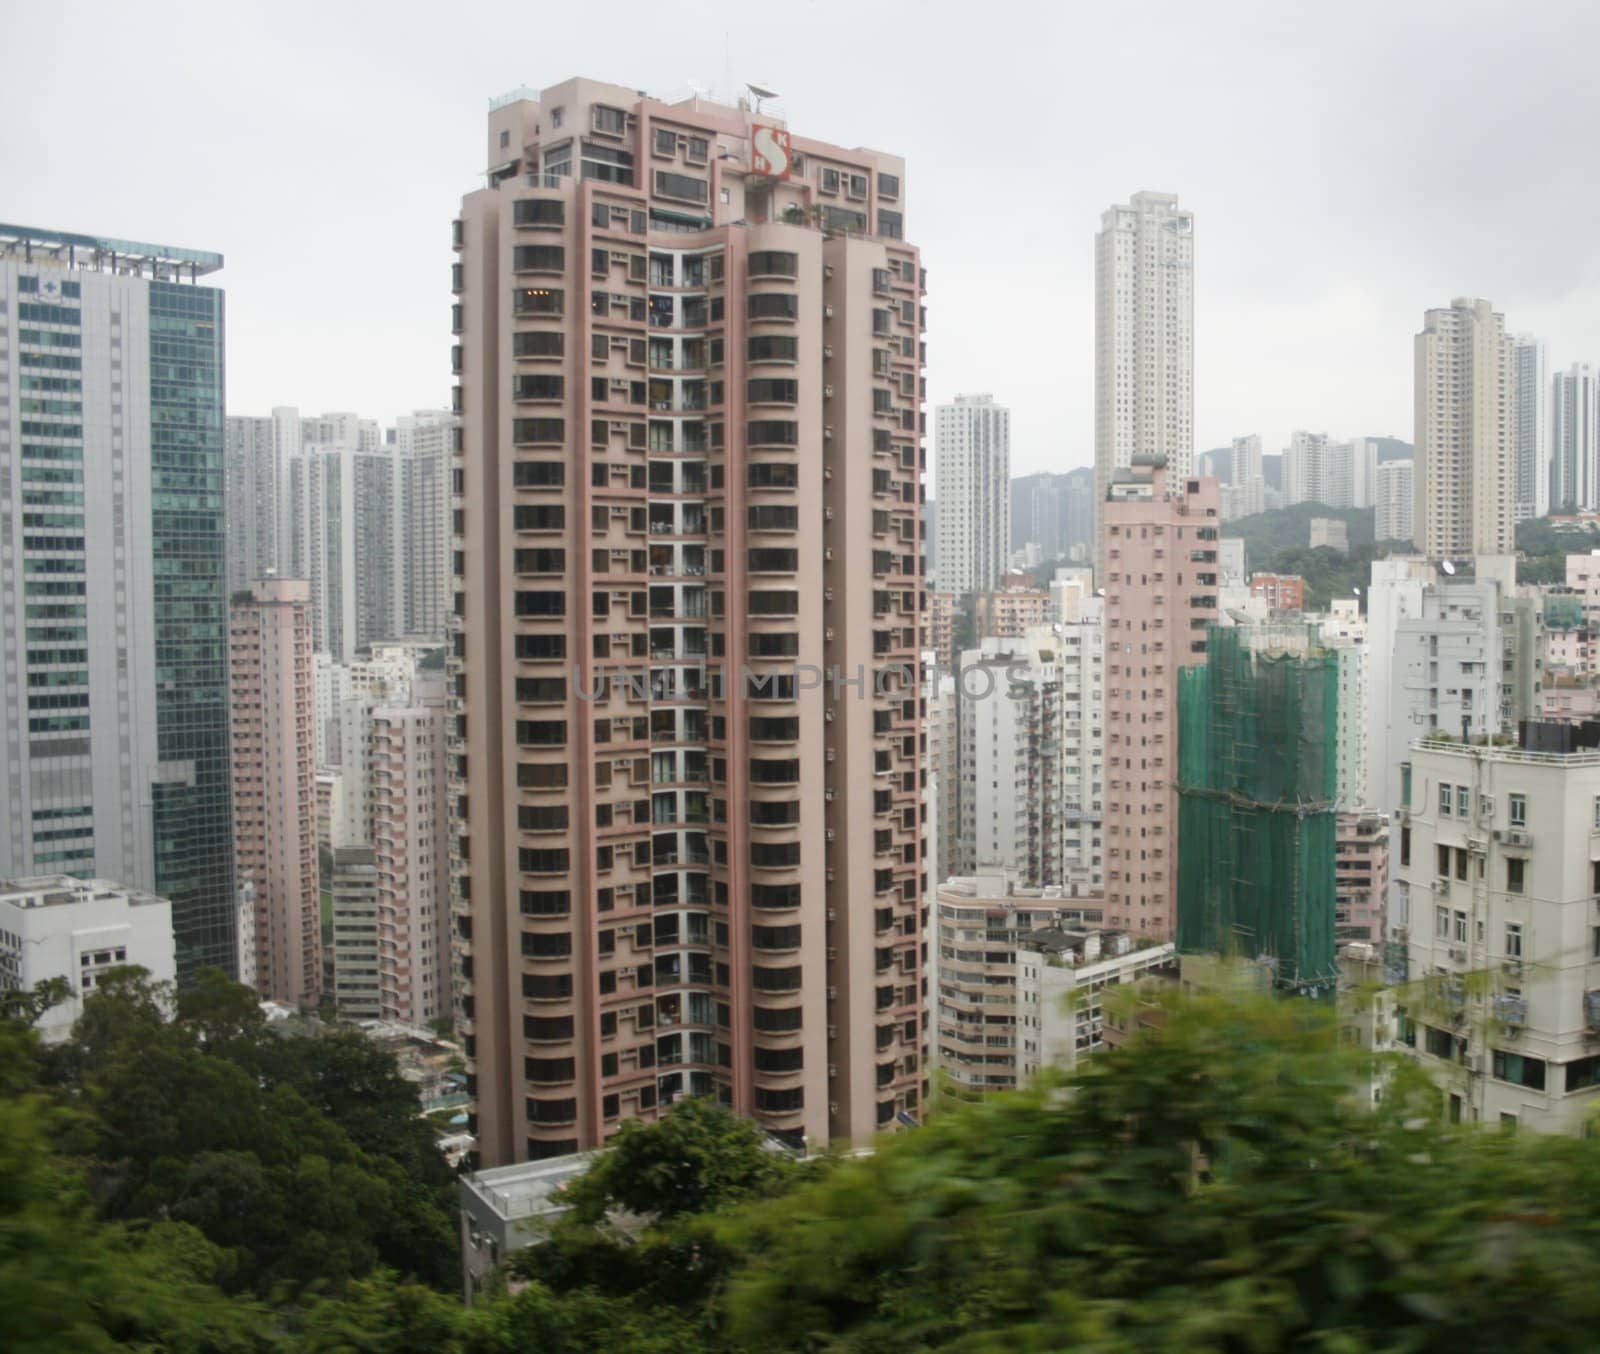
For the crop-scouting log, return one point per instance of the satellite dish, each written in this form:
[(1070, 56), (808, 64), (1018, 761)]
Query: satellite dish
[(1355, 592), (1448, 567), (761, 91)]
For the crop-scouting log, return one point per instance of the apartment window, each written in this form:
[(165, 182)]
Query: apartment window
[(538, 300), (683, 187), (763, 390), (531, 861), (1519, 810), (1583, 1073), (666, 141), (1405, 846), (538, 258), (891, 225), (538, 343), (773, 517), (773, 602), (1463, 801), (539, 212), (1461, 928), (773, 475), (546, 903), (1441, 922), (777, 979), (774, 348), (1446, 799), (611, 121), (1597, 811), (889, 186), (1442, 861), (786, 1020), (1513, 940), (1514, 874), (1519, 1069), (1461, 863), (774, 263), (539, 474), (526, 430)]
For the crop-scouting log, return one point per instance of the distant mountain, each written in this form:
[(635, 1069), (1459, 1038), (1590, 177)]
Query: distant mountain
[(1271, 533), (1393, 449)]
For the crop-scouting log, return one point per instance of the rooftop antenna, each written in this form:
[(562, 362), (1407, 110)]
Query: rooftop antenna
[(760, 92)]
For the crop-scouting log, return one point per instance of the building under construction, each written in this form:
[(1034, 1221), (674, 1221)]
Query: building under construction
[(1257, 820)]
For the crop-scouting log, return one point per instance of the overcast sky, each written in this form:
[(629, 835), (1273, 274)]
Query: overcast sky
[(1348, 166)]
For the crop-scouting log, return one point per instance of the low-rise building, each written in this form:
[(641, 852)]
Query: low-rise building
[(1281, 592), (60, 926), (1020, 978), (507, 1209), (1494, 911), (1361, 877), (1329, 533)]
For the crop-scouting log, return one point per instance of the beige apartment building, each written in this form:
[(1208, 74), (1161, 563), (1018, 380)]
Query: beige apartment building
[(1466, 429), (411, 854), (1498, 872), (1014, 607), (690, 362), (1161, 595), (272, 705)]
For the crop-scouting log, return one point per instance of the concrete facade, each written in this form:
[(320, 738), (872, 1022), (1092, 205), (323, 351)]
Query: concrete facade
[(1161, 596), (972, 453), (690, 378)]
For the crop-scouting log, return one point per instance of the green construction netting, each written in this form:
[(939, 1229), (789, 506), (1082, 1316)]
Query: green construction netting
[(1563, 613), (1256, 807)]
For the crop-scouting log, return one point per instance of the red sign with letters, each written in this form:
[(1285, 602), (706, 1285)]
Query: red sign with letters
[(770, 152)]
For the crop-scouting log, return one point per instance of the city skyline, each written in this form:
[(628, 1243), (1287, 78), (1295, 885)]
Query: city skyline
[(384, 347)]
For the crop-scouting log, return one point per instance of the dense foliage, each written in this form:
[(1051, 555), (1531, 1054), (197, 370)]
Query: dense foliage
[(1544, 551), (1218, 1184)]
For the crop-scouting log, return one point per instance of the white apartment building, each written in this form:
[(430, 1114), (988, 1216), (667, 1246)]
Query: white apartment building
[(1305, 468), (1394, 497), (1533, 427), (57, 926), (972, 453), (1144, 342), (1079, 647), (425, 442), (1351, 473), (1011, 766), (1394, 595), (1575, 438), (1498, 868), (1021, 978), (1344, 630), (1465, 438)]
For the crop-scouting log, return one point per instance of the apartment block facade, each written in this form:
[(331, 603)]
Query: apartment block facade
[(1161, 596), (113, 600), (972, 449), (1498, 870), (1394, 500), (690, 351), (272, 698), (1144, 342), (1466, 431)]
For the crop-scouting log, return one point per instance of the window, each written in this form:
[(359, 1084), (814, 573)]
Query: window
[(772, 305), (1514, 875), (1513, 940), (611, 121), (777, 979), (774, 348), (891, 225), (766, 391), (1519, 810), (1461, 928), (538, 343), (1519, 1069), (666, 141), (1441, 921), (787, 1019), (773, 475), (1581, 1073), (1463, 801), (539, 212), (1442, 861), (1405, 846), (774, 263), (889, 186), (1445, 799), (1597, 810), (682, 186), (772, 433), (1440, 1043), (1461, 863)]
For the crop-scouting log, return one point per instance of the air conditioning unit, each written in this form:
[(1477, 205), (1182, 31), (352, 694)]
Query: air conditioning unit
[(827, 270), (827, 312), (833, 1071), (827, 392), (1518, 837), (833, 914), (1512, 968), (828, 793), (827, 551), (833, 994), (833, 1031), (1458, 953), (1471, 1062), (827, 514), (827, 638), (827, 434), (833, 1107), (830, 830), (829, 716), (1495, 834)]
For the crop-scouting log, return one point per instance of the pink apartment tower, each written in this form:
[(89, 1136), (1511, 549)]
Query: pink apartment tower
[(272, 714), (1161, 596), (687, 758)]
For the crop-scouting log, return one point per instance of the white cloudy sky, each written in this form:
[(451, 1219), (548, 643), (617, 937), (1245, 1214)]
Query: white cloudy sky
[(1349, 165)]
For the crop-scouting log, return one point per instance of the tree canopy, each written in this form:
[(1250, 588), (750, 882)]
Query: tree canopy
[(1218, 1184)]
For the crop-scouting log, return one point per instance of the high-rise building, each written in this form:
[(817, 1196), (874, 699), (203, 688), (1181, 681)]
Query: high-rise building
[(1393, 499), (1574, 438), (1305, 468), (1361, 877), (425, 442), (347, 514), (1533, 427), (1465, 433), (1161, 595), (1144, 342), (1010, 760), (1079, 644), (1245, 462), (114, 611), (273, 701), (690, 358), (972, 447), (1351, 473), (411, 854)]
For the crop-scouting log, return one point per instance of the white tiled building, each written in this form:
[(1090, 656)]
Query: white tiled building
[(972, 450), (1498, 869), (57, 926)]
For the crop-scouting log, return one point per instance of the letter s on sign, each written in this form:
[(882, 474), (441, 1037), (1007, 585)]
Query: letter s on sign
[(771, 152)]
